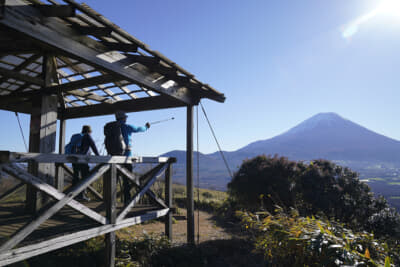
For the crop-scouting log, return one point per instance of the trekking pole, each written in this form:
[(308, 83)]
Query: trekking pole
[(155, 122)]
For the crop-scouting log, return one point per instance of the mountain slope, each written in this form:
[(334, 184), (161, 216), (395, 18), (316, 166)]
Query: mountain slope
[(325, 135), (329, 136)]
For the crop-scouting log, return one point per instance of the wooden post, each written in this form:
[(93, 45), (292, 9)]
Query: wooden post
[(189, 175), (110, 198), (42, 137), (168, 200), (59, 183), (32, 198)]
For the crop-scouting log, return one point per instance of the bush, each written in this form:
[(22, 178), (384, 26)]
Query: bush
[(320, 187), (291, 240)]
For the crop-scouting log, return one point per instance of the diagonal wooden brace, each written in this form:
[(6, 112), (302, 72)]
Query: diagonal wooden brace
[(91, 189), (149, 192), (51, 191), (47, 213), (144, 189)]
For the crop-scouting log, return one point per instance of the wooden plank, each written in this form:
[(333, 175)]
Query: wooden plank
[(123, 47), (145, 60), (61, 37), (59, 183), (90, 188), (51, 191), (93, 30), (24, 64), (34, 224), (7, 156), (189, 175), (91, 96), (133, 105), (19, 254), (10, 191), (21, 77), (65, 87), (168, 198), (110, 198), (32, 195), (139, 195), (56, 10), (95, 193), (136, 182)]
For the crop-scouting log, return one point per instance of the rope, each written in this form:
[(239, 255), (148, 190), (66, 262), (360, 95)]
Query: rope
[(215, 138), (22, 132), (198, 176)]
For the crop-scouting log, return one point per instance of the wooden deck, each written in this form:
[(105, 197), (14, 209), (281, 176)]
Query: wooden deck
[(66, 221)]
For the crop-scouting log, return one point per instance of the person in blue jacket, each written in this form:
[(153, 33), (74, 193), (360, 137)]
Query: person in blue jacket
[(81, 170), (127, 130)]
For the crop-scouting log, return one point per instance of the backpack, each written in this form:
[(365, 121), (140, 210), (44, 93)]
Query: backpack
[(74, 145), (114, 141)]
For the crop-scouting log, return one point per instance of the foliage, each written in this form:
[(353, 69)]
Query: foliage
[(319, 187), (88, 253), (139, 251), (233, 252), (291, 240)]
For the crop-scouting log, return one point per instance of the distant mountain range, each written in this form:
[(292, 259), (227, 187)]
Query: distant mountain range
[(325, 135)]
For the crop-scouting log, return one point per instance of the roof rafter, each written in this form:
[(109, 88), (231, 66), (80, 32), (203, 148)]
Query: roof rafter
[(83, 48), (133, 105)]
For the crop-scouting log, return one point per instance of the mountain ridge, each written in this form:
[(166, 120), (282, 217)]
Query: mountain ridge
[(324, 135)]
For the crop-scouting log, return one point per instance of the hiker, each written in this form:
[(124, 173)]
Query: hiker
[(118, 142), (81, 144)]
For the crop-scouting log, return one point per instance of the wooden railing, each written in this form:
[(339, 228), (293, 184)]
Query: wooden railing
[(106, 167)]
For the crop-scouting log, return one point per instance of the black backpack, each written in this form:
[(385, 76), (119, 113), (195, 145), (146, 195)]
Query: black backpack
[(114, 141)]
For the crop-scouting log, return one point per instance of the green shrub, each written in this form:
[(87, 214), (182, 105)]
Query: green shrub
[(320, 187), (291, 240)]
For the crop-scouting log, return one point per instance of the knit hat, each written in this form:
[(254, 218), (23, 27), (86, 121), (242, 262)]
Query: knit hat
[(120, 115)]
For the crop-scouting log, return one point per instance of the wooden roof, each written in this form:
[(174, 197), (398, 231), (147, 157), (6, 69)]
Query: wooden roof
[(99, 67)]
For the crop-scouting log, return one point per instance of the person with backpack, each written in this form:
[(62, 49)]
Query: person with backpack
[(81, 143), (118, 142)]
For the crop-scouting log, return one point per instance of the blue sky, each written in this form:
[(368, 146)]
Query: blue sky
[(277, 62)]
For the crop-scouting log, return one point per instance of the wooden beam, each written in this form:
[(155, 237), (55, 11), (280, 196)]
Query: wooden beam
[(79, 84), (168, 199), (32, 195), (189, 175), (139, 195), (136, 182), (123, 47), (64, 39), (65, 87), (23, 65), (93, 30), (21, 77), (46, 214), (7, 156), (133, 105), (59, 183), (19, 254), (56, 10), (145, 60), (10, 191), (110, 199), (90, 96)]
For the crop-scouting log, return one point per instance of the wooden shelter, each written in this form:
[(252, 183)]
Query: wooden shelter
[(64, 61)]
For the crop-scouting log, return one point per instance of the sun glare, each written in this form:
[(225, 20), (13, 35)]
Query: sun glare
[(389, 7), (385, 8)]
